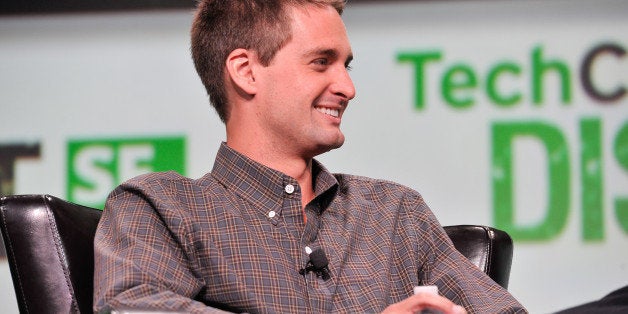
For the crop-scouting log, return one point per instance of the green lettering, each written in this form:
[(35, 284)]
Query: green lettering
[(457, 79), (503, 136), (419, 59), (620, 148), (540, 68), (591, 172), (491, 84)]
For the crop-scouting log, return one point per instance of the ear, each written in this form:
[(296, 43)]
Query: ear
[(240, 65)]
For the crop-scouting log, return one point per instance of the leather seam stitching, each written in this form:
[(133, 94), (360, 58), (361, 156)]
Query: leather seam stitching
[(489, 248), (60, 254), (19, 278)]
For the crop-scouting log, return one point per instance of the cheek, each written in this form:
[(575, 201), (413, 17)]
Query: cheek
[(280, 83), (293, 89)]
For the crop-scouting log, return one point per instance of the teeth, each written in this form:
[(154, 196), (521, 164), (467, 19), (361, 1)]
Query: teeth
[(327, 111)]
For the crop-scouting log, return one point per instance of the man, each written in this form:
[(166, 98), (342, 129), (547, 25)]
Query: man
[(239, 238)]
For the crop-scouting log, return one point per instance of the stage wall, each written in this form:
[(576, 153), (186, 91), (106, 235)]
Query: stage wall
[(512, 114)]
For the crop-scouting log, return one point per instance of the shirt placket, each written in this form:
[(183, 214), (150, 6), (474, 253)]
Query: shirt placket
[(292, 225), (320, 291)]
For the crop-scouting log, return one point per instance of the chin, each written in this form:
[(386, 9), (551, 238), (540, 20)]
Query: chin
[(323, 148), (321, 143), (338, 144)]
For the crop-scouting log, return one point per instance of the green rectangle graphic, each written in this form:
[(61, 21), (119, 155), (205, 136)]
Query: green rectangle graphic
[(97, 166)]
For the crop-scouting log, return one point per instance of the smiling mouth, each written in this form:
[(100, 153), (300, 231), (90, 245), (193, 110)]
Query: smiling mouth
[(328, 111)]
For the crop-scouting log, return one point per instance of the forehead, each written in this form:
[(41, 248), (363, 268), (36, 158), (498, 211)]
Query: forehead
[(318, 28)]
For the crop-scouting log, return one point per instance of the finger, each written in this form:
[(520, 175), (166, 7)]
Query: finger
[(422, 301)]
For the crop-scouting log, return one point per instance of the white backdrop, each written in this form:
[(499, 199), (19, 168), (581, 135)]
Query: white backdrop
[(91, 77)]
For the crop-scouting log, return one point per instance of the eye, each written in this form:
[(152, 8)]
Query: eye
[(321, 61)]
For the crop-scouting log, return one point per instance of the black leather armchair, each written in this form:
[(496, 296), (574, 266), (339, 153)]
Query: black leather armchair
[(50, 249), (49, 245), (487, 248)]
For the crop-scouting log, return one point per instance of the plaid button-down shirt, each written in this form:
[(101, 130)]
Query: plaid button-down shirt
[(235, 240)]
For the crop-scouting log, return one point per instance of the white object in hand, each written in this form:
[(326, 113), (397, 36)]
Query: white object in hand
[(426, 289)]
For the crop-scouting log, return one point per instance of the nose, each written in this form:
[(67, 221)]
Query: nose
[(343, 85)]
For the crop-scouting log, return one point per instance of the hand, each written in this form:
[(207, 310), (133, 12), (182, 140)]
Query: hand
[(422, 301)]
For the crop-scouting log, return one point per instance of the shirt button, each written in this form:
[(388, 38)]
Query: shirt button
[(308, 250), (271, 214), (289, 189)]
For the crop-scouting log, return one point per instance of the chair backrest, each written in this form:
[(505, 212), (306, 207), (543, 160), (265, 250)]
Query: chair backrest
[(50, 250), (488, 248)]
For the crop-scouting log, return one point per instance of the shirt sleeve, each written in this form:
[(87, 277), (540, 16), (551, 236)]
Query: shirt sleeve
[(139, 262), (456, 277)]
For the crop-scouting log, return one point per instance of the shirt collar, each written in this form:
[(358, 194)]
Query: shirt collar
[(259, 183)]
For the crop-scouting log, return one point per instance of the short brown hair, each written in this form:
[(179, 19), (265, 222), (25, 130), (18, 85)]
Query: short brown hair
[(221, 26)]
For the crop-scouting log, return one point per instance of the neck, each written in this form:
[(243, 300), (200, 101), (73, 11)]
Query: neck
[(255, 142), (271, 155)]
